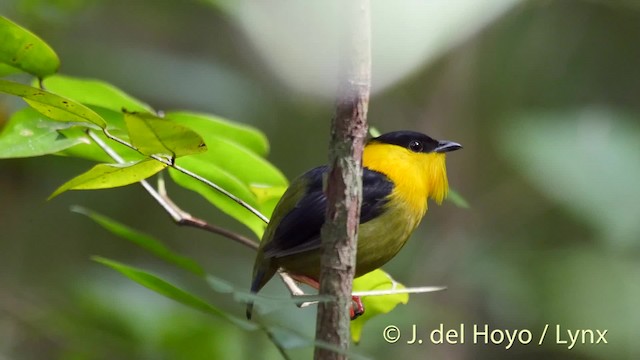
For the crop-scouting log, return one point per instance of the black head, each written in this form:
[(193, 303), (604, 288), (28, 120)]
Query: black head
[(417, 142)]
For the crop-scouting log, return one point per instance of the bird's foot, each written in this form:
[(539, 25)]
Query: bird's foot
[(357, 308)]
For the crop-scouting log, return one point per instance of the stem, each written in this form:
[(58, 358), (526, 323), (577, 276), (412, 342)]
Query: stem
[(344, 184), (187, 219), (221, 190), (193, 175), (181, 217)]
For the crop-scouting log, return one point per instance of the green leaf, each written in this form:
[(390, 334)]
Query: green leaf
[(225, 180), (232, 161), (104, 176), (51, 105), (28, 133), (152, 135), (212, 128), (145, 241), (375, 305), (95, 93), (171, 291), (457, 199), (267, 197), (22, 49), (7, 70), (243, 164), (91, 151), (239, 171)]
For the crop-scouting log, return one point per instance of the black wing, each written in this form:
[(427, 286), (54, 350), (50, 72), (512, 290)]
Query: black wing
[(299, 230)]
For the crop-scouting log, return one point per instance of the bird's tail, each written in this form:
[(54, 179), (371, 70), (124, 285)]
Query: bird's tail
[(249, 309), (256, 285)]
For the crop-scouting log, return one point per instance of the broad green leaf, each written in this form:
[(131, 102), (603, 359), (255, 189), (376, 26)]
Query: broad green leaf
[(457, 199), (231, 164), (51, 105), (29, 133), (95, 93), (225, 180), (245, 165), (22, 49), (152, 135), (7, 70), (267, 197), (105, 176), (145, 241), (211, 128), (115, 122), (375, 305), (91, 151), (171, 291)]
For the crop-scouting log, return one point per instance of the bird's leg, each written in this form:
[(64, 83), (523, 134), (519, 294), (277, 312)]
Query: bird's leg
[(306, 280), (357, 307)]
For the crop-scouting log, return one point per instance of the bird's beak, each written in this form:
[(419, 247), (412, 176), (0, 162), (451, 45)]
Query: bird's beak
[(447, 146)]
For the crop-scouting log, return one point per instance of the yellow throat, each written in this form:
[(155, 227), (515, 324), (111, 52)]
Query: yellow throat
[(416, 176)]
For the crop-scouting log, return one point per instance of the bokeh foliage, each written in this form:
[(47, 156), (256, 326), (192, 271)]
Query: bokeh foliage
[(225, 172), (544, 99)]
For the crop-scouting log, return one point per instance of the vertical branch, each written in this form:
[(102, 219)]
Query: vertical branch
[(344, 182)]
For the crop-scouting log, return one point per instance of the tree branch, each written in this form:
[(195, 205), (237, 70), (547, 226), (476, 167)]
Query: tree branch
[(344, 183)]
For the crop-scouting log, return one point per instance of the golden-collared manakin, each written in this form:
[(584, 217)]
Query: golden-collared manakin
[(401, 170)]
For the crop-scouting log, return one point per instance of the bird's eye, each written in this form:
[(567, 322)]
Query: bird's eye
[(415, 146)]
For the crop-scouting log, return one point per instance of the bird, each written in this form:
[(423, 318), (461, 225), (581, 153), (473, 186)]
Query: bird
[(401, 171)]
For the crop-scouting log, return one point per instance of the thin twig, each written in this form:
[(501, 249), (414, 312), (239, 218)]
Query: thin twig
[(415, 290), (178, 215), (186, 219), (181, 217), (293, 287), (175, 215), (193, 175)]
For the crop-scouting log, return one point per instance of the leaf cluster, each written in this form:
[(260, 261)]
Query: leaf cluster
[(129, 141)]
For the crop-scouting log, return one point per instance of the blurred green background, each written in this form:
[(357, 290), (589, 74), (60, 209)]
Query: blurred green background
[(544, 96)]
